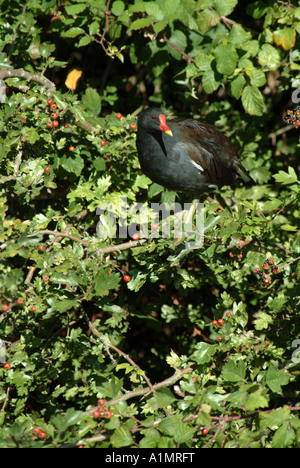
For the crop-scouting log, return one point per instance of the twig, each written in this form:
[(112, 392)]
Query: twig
[(60, 234), (187, 57), (107, 343), (100, 251), (144, 391)]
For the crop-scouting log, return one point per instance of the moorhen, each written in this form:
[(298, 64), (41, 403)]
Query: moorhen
[(186, 155)]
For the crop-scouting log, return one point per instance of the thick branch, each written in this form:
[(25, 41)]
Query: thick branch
[(20, 73)]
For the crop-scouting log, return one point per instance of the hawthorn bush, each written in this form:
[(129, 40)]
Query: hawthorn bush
[(141, 341)]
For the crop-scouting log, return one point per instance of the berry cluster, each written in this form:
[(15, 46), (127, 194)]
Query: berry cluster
[(36, 431), (293, 117), (268, 267), (97, 413), (219, 323)]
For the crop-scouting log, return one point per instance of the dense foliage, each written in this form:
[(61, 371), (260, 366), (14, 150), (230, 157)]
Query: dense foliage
[(186, 347)]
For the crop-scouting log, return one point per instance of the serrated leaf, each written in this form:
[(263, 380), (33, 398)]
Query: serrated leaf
[(263, 321), (121, 437), (174, 427), (283, 437), (276, 378), (73, 32), (289, 177), (75, 9), (255, 400), (274, 418), (233, 372), (285, 38), (117, 7), (73, 164), (92, 102), (253, 100), (226, 57), (204, 353)]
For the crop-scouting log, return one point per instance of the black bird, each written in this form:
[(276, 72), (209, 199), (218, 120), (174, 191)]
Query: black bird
[(186, 155)]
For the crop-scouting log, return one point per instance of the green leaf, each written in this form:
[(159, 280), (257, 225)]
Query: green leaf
[(276, 378), (226, 57), (274, 418), (269, 57), (262, 321), (73, 32), (73, 10), (73, 164), (174, 427), (210, 82), (233, 372), (236, 86), (286, 178), (204, 353), (255, 400), (121, 437), (161, 398), (283, 437), (253, 100), (92, 102), (225, 7), (117, 7)]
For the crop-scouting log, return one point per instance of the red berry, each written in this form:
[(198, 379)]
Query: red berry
[(42, 435), (54, 116), (126, 278), (119, 115), (42, 248), (101, 402), (155, 227), (256, 270), (96, 414), (20, 301), (240, 255), (53, 107), (220, 321), (50, 101), (48, 169), (136, 236), (205, 431), (71, 148), (33, 309), (231, 254), (103, 143), (5, 308), (219, 338), (133, 126), (67, 126), (55, 123), (7, 366), (19, 221), (46, 278), (107, 414), (214, 322), (228, 314), (36, 431), (49, 124)]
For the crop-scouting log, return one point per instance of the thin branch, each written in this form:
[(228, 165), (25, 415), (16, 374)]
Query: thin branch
[(100, 251), (187, 57), (108, 344), (145, 391)]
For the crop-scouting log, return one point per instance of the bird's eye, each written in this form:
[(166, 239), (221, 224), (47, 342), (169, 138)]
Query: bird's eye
[(153, 117)]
